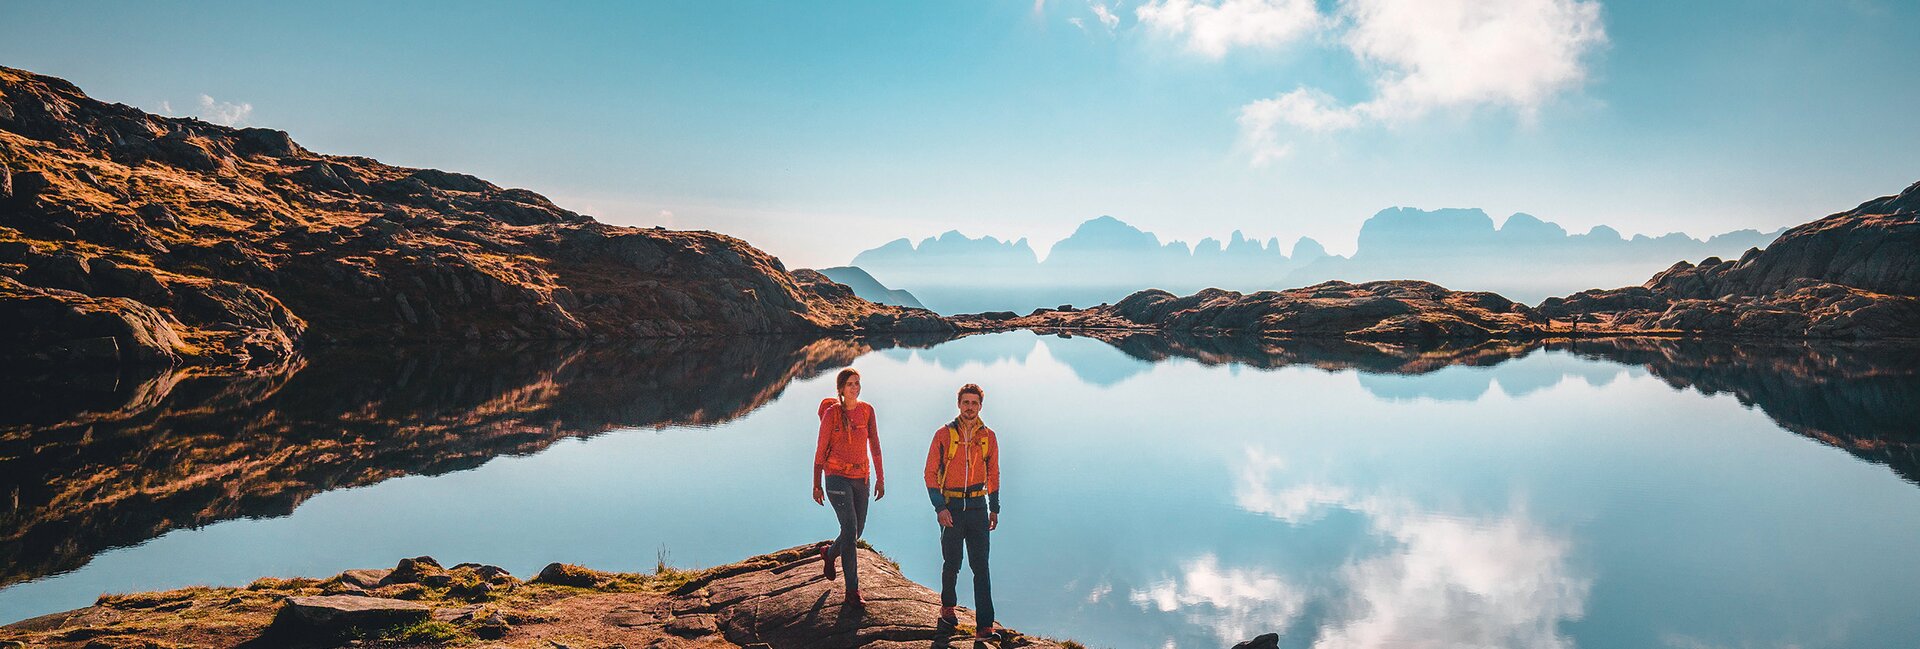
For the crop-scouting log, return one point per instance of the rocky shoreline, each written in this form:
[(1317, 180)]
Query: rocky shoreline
[(778, 599)]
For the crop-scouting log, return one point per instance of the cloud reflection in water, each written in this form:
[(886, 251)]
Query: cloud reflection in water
[(1235, 603), (1444, 581)]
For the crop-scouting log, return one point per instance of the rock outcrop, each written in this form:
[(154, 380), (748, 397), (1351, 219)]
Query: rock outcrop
[(1855, 275), (1390, 310), (778, 600), (183, 241)]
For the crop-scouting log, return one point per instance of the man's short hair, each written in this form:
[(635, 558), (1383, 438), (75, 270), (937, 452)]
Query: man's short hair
[(973, 389)]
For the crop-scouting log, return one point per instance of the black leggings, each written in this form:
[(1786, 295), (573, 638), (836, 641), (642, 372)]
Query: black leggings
[(849, 498), (969, 530)]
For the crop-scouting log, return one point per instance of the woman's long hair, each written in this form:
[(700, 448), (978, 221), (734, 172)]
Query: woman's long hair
[(840, 382)]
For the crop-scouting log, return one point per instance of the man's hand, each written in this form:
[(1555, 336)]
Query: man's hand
[(819, 495), (993, 520), (879, 489), (946, 518)]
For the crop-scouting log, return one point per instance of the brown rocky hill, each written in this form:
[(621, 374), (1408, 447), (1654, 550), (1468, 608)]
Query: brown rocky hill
[(126, 236), (1855, 274)]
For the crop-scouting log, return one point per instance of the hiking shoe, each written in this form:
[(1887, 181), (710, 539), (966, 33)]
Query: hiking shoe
[(854, 599), (948, 616), (826, 560), (985, 634)]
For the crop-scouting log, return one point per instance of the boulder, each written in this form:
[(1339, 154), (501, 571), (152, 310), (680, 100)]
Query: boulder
[(566, 574), (340, 613), (412, 571), (366, 579)]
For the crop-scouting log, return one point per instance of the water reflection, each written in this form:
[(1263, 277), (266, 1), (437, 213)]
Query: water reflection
[(1344, 494), (1233, 603), (94, 461), (1864, 398), (1441, 580), (1861, 397)]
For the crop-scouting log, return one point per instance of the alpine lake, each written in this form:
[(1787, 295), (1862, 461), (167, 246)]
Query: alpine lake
[(1157, 492)]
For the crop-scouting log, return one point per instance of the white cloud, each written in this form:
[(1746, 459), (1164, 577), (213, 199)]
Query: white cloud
[(1429, 55), (1077, 22), (1464, 53), (1099, 592), (1237, 603), (1105, 15), (220, 112), (1212, 28), (1305, 109)]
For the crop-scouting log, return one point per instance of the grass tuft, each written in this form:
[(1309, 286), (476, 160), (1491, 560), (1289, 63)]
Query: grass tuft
[(426, 632)]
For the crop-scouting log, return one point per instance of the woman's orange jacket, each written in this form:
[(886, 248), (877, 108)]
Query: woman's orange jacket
[(845, 439)]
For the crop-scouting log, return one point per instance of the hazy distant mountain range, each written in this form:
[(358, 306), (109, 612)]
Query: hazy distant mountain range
[(1105, 259), (870, 289)]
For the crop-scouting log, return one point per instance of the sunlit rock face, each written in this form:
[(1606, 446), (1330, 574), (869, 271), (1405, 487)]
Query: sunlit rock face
[(127, 237), (1852, 275)]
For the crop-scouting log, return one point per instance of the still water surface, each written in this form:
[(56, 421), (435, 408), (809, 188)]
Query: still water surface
[(1155, 494)]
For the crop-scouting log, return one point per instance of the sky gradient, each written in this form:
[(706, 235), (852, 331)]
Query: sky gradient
[(816, 132)]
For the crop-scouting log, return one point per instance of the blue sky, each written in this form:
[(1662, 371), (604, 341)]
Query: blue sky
[(816, 131)]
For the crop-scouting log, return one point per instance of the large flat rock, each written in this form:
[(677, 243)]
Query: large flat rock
[(339, 612)]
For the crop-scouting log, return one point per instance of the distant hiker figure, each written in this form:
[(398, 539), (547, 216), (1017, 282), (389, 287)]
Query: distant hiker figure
[(847, 433), (963, 479)]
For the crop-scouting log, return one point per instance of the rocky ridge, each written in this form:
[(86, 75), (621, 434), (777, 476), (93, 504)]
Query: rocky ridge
[(131, 237), (1854, 275), (778, 599)]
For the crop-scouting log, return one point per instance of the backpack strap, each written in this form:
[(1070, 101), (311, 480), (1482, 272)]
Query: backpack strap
[(953, 449)]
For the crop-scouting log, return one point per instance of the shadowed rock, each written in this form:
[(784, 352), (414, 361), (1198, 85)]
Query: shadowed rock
[(340, 614)]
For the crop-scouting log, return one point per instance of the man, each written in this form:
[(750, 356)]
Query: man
[(963, 480)]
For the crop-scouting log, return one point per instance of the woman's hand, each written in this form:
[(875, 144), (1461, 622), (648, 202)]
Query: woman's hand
[(819, 495), (879, 489)]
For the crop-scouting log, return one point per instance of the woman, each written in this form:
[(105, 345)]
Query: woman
[(847, 434)]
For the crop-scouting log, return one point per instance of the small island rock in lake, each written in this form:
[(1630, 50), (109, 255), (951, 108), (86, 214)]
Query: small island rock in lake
[(127, 237), (777, 599)]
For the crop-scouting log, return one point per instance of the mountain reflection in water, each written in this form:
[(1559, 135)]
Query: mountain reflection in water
[(90, 462), (1861, 397)]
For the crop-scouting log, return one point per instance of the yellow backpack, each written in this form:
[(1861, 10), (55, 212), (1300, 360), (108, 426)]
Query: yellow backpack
[(953, 449)]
